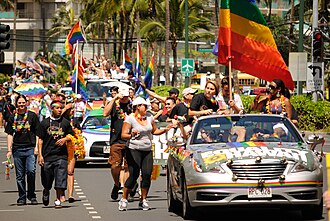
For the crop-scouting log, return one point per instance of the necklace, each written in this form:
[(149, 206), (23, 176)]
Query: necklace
[(139, 117), (24, 124), (268, 105), (119, 110)]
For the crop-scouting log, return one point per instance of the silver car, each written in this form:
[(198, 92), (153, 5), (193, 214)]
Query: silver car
[(243, 160)]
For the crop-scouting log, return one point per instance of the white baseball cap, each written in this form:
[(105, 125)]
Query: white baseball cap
[(122, 67), (188, 90), (140, 100), (78, 96), (124, 92)]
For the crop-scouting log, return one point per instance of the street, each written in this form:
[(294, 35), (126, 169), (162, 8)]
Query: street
[(93, 184)]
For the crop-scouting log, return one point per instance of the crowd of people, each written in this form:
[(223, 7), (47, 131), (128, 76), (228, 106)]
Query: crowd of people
[(43, 135)]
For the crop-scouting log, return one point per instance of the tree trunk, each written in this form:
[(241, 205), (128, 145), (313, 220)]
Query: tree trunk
[(175, 61), (121, 36), (167, 44), (14, 32), (106, 36), (98, 36), (291, 24), (160, 65)]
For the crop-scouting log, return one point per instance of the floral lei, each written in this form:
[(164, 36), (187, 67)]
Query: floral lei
[(77, 143), (23, 125), (120, 111), (268, 104)]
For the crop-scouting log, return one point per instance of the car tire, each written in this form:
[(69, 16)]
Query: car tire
[(173, 205), (313, 212), (187, 209)]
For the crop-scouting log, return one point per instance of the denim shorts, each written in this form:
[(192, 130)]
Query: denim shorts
[(57, 170)]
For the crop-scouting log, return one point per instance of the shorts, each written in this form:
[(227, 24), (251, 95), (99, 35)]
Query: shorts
[(57, 170), (118, 155)]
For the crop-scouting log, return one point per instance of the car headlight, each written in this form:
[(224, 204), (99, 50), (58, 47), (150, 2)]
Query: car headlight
[(300, 167)]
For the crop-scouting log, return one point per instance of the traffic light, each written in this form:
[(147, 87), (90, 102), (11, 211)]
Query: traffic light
[(4, 40), (317, 45)]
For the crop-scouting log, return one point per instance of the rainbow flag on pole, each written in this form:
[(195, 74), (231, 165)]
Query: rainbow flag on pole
[(127, 61), (245, 38), (78, 81), (149, 73), (76, 34), (139, 60)]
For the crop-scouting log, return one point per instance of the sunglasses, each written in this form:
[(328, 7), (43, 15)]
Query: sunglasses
[(203, 132), (272, 87)]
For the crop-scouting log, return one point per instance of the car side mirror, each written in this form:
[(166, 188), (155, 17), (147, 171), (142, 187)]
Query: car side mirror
[(314, 140)]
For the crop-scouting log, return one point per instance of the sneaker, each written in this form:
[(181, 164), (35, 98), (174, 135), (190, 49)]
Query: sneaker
[(123, 203), (130, 198), (71, 200), (21, 202), (114, 192), (144, 205), (45, 197), (34, 201), (58, 204)]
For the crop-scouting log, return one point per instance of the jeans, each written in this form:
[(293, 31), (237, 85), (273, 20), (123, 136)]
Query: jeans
[(25, 164)]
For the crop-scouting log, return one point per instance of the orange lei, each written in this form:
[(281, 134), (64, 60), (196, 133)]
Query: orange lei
[(282, 98), (76, 145)]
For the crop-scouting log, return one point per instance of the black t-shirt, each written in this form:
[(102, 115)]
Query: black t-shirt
[(163, 118), (8, 110), (180, 110), (50, 131), (199, 102), (117, 123), (26, 137)]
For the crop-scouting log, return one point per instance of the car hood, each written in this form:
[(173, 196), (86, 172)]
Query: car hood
[(210, 156), (97, 131)]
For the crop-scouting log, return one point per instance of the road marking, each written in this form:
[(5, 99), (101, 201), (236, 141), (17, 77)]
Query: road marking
[(87, 204), (96, 217), (92, 212), (80, 193), (12, 210), (82, 197), (89, 208), (76, 186), (77, 190)]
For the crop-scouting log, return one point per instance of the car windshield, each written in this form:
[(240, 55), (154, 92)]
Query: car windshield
[(95, 89), (263, 128), (95, 122)]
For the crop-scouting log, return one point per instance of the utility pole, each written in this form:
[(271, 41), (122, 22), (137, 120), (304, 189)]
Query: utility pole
[(186, 45), (301, 36)]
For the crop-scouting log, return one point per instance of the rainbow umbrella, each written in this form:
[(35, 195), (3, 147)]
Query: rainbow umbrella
[(34, 90)]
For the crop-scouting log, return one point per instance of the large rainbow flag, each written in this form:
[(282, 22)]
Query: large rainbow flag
[(245, 38), (139, 60), (76, 34), (78, 81), (127, 61), (149, 73)]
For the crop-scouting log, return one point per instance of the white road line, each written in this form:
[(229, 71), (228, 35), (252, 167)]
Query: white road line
[(87, 204), (92, 212), (80, 193), (76, 186), (96, 217), (89, 208), (82, 197), (77, 190), (84, 201), (12, 210)]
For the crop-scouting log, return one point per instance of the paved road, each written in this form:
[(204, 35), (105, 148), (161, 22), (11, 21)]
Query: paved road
[(92, 187)]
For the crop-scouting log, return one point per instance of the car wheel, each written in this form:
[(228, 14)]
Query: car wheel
[(313, 212), (173, 205), (187, 210)]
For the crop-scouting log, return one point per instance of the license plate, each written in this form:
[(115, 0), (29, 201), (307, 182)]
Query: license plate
[(106, 149), (264, 192)]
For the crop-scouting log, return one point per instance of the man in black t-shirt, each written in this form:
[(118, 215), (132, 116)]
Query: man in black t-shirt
[(118, 108), (53, 155)]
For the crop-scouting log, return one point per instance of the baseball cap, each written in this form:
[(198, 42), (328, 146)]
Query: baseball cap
[(124, 92), (188, 90), (122, 67), (139, 100), (78, 96), (174, 91)]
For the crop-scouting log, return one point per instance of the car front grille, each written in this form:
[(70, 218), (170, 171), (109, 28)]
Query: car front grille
[(97, 149), (265, 171)]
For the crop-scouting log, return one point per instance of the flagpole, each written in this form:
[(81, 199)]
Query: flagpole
[(123, 57), (77, 66)]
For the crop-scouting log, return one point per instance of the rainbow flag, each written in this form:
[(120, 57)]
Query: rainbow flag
[(78, 81), (97, 104), (31, 63), (245, 38), (81, 59), (20, 64), (139, 60), (76, 34), (149, 73), (127, 61)]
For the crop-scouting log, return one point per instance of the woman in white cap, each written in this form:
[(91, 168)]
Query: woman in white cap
[(138, 128)]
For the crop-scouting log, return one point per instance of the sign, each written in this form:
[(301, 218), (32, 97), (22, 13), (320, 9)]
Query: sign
[(205, 50), (187, 65), (297, 65), (315, 76)]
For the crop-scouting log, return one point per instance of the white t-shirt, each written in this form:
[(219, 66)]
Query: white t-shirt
[(144, 140), (223, 105)]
